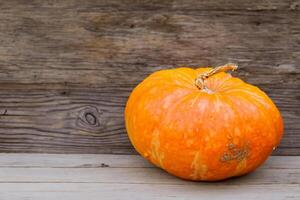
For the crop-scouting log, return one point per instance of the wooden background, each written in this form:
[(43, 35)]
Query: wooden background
[(67, 67)]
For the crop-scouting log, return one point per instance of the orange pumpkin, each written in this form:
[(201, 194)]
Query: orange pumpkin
[(202, 124)]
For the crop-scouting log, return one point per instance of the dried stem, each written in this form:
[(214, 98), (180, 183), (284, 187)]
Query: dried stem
[(201, 78)]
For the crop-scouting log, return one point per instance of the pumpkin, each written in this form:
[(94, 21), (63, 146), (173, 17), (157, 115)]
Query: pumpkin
[(202, 124)]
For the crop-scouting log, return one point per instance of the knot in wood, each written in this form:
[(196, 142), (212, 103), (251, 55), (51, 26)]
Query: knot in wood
[(89, 118)]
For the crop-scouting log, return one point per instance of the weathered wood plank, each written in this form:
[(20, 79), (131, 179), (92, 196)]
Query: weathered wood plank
[(24, 160), (87, 161), (96, 191), (54, 122), (67, 68), (133, 175)]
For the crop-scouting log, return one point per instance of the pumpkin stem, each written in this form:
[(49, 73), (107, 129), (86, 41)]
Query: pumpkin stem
[(201, 78)]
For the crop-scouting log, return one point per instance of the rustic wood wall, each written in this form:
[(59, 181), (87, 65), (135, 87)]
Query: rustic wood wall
[(67, 67)]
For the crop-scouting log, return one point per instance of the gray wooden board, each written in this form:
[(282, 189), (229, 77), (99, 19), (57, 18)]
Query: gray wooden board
[(51, 176), (106, 160), (96, 191), (67, 67)]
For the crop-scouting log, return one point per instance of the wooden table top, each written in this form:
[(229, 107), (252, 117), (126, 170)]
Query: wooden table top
[(94, 177)]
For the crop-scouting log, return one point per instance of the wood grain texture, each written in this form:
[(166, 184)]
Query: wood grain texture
[(24, 160), (108, 191), (67, 67), (52, 176)]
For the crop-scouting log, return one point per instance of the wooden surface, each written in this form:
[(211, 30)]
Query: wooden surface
[(67, 67), (72, 177)]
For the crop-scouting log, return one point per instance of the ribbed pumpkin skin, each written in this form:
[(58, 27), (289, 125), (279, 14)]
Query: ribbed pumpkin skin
[(197, 135)]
